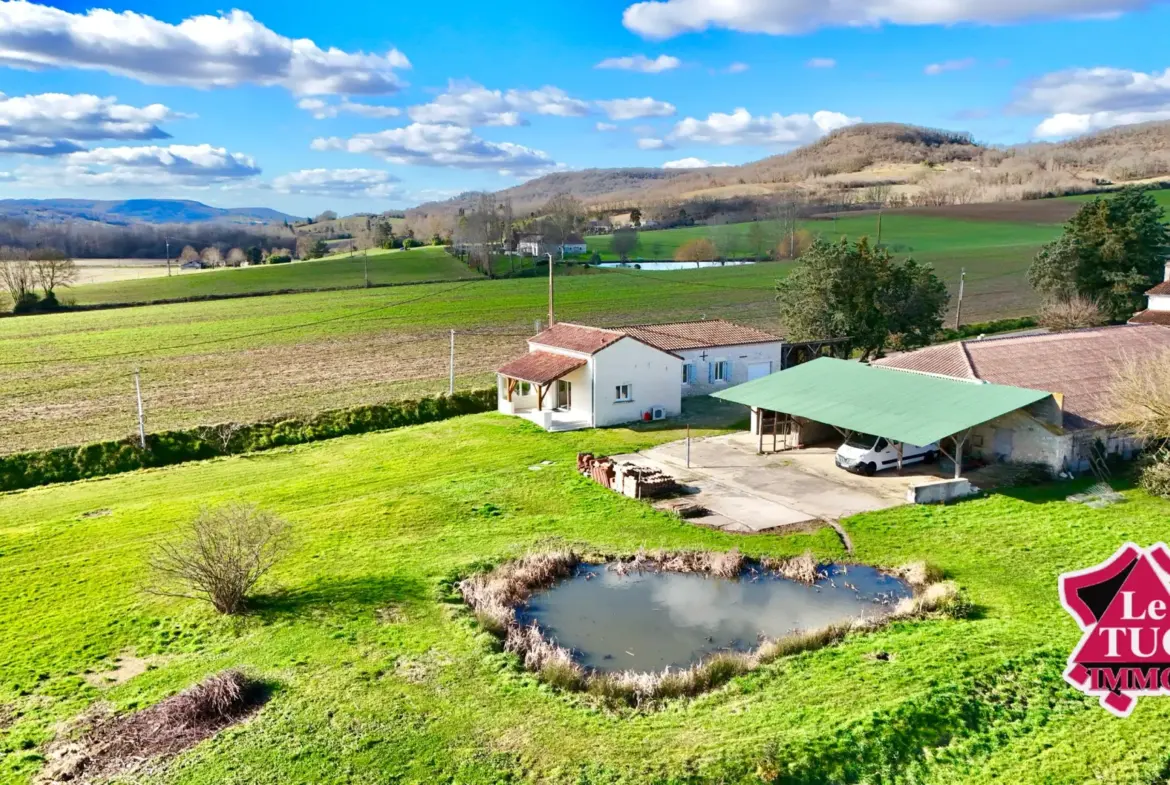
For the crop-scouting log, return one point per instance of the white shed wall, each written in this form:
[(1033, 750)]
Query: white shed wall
[(739, 356), (653, 375)]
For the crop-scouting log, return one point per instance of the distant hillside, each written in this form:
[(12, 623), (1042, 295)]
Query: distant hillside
[(150, 211), (903, 164)]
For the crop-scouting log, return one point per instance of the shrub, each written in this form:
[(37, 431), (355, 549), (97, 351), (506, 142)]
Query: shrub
[(1155, 477), (1073, 313), (221, 556)]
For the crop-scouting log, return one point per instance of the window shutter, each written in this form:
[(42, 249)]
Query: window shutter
[(710, 373)]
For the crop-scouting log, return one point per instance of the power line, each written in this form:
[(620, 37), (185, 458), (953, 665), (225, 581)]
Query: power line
[(137, 352)]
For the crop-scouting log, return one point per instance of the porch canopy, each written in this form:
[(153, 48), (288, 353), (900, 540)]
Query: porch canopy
[(540, 369), (900, 406)]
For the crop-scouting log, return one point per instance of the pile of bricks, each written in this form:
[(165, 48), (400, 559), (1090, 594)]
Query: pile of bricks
[(637, 482)]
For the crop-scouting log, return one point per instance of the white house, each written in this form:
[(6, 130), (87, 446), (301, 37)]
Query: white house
[(536, 245), (1158, 310), (575, 376)]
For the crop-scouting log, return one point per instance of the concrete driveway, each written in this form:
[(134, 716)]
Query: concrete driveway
[(749, 493)]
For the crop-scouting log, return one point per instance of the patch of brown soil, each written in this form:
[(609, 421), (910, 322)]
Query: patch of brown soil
[(125, 667), (103, 745)]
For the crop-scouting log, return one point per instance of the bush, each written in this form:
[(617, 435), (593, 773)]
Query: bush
[(279, 260), (221, 556), (66, 464), (1155, 479)]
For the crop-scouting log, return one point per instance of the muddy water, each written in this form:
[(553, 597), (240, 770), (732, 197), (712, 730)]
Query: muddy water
[(650, 620)]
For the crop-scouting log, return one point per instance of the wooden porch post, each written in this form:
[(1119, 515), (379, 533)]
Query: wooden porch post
[(540, 391), (511, 388)]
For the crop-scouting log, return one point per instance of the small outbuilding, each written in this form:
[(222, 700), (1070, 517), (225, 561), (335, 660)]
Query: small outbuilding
[(816, 401)]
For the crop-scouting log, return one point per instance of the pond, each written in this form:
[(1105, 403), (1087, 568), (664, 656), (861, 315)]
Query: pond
[(647, 621), (670, 265)]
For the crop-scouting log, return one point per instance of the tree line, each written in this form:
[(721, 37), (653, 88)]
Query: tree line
[(90, 240)]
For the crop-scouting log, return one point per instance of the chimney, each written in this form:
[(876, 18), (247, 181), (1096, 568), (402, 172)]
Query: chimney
[(1167, 271)]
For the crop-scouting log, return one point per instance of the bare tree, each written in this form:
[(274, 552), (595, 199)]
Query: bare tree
[(1141, 396), (211, 256), (220, 556), (188, 254), (563, 215), (222, 436), (1072, 313), (17, 276), (52, 269), (698, 250), (236, 257)]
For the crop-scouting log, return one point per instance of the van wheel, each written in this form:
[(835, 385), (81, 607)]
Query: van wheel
[(868, 469), (931, 457)]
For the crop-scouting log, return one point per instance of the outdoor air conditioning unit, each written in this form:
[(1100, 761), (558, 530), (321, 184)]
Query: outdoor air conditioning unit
[(658, 413)]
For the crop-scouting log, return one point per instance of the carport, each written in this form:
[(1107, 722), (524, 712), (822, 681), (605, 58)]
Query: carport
[(900, 406)]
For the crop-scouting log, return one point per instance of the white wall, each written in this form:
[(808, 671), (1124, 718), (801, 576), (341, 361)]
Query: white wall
[(581, 379), (1159, 302), (653, 375), (739, 356)]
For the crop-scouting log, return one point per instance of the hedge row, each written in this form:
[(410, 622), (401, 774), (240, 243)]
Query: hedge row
[(66, 464)]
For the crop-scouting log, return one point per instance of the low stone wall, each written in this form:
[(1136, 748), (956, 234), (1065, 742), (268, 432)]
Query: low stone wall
[(940, 492)]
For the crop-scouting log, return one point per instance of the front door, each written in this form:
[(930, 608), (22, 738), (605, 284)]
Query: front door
[(564, 394)]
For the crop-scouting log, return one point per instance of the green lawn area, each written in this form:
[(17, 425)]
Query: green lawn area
[(385, 267), (380, 520), (1161, 196)]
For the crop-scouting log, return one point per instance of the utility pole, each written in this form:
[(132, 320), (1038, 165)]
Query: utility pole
[(366, 268), (141, 416), (959, 307), (451, 384), (551, 317), (168, 242)]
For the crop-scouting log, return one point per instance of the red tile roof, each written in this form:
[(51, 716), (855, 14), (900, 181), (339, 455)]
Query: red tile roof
[(947, 359), (1080, 364), (704, 334), (540, 367), (1162, 288), (1151, 317), (577, 338)]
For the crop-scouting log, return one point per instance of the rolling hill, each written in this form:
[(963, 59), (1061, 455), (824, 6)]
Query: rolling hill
[(920, 166), (130, 211)]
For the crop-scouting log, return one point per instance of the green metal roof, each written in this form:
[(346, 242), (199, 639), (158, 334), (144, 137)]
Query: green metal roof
[(905, 407)]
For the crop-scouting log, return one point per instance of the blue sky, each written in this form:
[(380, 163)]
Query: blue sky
[(358, 105)]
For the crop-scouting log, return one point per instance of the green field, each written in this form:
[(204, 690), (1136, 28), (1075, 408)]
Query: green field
[(253, 358), (377, 679), (384, 267)]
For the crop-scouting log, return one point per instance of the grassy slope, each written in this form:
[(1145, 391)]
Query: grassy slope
[(380, 519), (419, 264), (996, 255), (356, 357)]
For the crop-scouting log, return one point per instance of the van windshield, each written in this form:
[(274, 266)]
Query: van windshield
[(862, 441)]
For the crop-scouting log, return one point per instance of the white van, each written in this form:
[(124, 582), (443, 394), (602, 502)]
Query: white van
[(868, 454)]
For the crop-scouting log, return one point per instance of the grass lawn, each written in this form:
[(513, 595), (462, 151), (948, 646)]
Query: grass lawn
[(269, 356), (385, 267), (381, 519)]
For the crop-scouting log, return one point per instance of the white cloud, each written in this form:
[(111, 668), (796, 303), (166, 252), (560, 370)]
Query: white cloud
[(343, 183), (322, 110), (469, 105), (667, 18), (741, 128), (641, 63), (54, 123), (690, 163), (606, 127), (200, 51), (821, 62), (195, 166), (634, 108), (934, 69), (422, 144), (650, 143), (1089, 99), (737, 68)]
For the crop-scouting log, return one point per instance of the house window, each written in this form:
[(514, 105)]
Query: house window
[(688, 373), (721, 371), (622, 394)]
